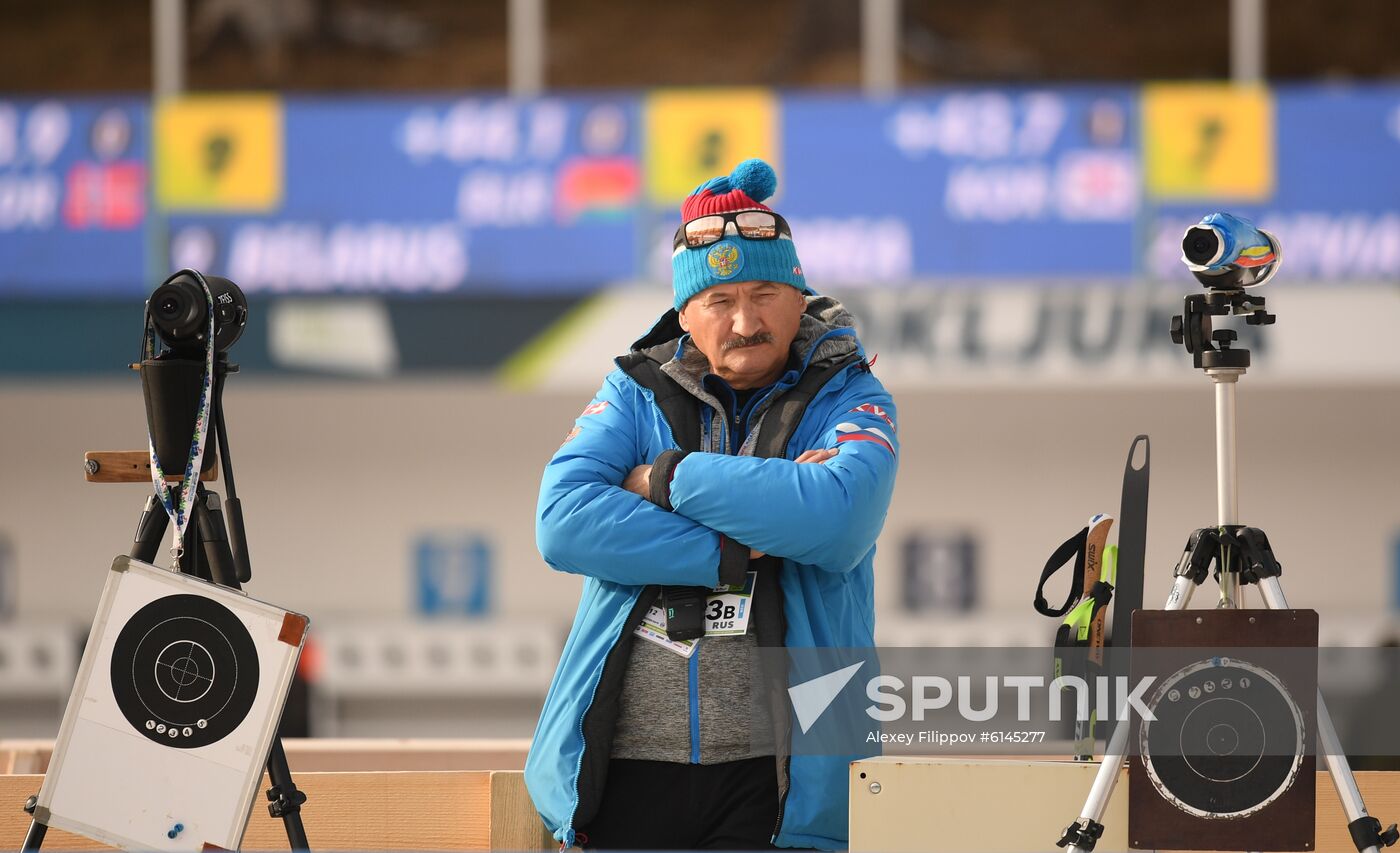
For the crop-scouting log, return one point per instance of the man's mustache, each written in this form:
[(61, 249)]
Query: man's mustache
[(741, 341)]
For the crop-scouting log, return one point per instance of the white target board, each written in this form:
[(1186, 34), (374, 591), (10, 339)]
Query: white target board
[(176, 703)]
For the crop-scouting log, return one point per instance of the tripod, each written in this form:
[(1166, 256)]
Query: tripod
[(1242, 556), (208, 552)]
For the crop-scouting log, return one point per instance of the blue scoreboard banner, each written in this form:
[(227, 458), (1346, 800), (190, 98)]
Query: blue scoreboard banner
[(423, 196), (491, 195), (983, 183), (73, 196)]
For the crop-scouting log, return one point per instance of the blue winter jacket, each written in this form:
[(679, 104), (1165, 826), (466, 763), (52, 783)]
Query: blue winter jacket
[(820, 519)]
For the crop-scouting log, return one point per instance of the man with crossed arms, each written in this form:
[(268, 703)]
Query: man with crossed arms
[(742, 441)]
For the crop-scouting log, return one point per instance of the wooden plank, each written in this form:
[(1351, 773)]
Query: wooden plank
[(515, 825), (25, 755), (385, 811), (1380, 790), (134, 466), (475, 810), (921, 806), (14, 823), (350, 754), (345, 811), (326, 755)]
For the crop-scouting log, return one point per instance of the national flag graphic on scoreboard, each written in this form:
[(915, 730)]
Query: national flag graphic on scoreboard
[(854, 432)]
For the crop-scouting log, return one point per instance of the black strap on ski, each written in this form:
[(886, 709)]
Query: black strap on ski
[(1073, 547), (1072, 648), (1074, 631), (1073, 639)]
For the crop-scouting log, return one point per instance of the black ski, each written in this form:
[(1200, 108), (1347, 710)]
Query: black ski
[(1132, 550)]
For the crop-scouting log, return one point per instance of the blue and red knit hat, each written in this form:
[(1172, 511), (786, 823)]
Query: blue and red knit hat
[(734, 258)]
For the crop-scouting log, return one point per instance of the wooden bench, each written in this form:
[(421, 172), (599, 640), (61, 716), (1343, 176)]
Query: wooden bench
[(384, 810), (308, 755)]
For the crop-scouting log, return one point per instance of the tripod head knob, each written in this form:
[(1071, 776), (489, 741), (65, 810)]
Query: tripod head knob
[(1225, 337), (1178, 330)]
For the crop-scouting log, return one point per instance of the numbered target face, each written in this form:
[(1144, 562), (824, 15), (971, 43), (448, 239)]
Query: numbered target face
[(1228, 738), (184, 671)]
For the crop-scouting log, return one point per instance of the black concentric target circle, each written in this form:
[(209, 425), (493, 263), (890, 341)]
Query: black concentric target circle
[(184, 671), (1227, 740)]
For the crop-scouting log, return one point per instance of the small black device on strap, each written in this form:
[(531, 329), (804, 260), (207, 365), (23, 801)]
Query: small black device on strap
[(685, 611)]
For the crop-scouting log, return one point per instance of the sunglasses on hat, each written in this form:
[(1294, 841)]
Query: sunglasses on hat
[(751, 225)]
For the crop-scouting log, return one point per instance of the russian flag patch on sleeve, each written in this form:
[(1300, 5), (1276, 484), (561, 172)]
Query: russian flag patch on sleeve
[(848, 431), (877, 411)]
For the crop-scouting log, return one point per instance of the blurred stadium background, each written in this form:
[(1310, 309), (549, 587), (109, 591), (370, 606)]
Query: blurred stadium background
[(448, 216)]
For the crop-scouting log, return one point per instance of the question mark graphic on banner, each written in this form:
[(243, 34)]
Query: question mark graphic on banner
[(711, 150), (218, 152), (1212, 131)]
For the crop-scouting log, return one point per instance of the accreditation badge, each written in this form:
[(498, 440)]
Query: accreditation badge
[(727, 612)]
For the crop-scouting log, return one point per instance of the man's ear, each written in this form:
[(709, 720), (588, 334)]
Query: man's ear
[(680, 315)]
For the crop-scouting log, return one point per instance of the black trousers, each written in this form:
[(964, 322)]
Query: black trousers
[(661, 805)]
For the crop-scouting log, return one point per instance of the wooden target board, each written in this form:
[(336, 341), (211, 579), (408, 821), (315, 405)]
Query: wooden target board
[(1228, 763), (176, 703)]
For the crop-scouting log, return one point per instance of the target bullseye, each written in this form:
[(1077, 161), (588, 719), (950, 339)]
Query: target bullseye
[(184, 671), (1227, 739)]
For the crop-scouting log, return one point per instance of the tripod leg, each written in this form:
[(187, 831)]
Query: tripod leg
[(1083, 834), (285, 800), (150, 530), (1364, 828), (209, 521), (35, 838)]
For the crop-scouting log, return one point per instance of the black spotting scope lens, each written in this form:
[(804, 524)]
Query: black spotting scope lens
[(1201, 245), (180, 312), (176, 311)]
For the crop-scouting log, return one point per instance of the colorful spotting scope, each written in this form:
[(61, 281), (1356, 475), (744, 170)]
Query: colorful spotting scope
[(1226, 252)]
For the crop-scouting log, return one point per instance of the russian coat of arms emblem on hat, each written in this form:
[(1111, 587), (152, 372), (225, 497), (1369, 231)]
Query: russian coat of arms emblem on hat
[(724, 260)]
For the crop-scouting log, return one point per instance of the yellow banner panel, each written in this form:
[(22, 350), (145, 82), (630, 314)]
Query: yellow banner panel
[(1208, 141), (695, 135), (219, 153)]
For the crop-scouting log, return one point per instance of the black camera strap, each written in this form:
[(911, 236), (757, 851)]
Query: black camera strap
[(178, 506)]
